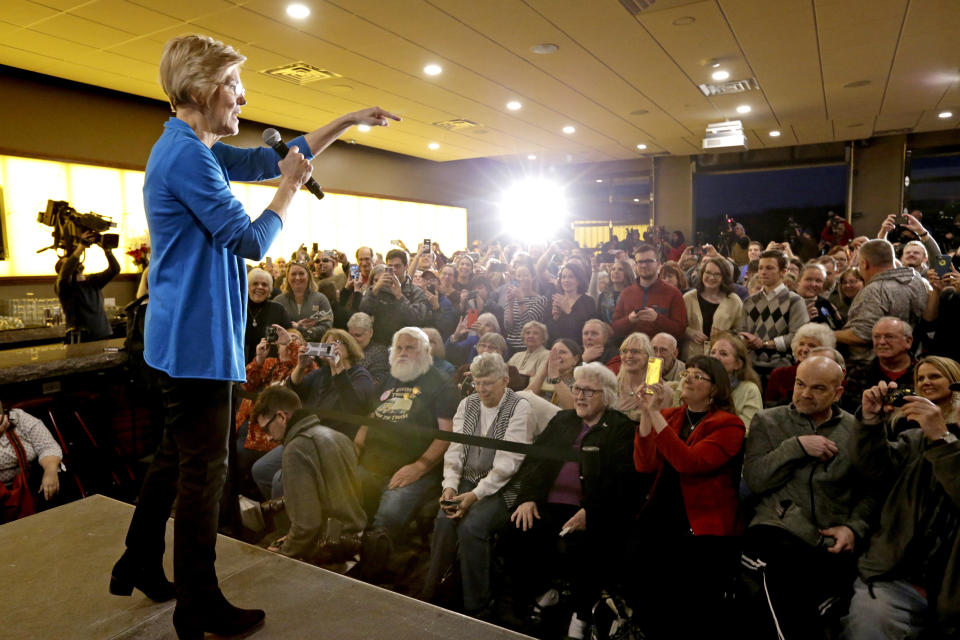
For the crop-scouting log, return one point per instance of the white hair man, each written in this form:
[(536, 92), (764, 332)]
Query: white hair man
[(665, 346), (477, 493), (396, 470)]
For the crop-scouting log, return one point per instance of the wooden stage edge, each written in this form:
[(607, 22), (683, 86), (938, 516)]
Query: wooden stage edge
[(56, 567)]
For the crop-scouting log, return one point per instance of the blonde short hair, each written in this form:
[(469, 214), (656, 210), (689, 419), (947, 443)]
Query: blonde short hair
[(192, 65)]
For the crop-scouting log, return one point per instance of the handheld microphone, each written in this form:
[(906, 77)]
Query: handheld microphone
[(271, 137)]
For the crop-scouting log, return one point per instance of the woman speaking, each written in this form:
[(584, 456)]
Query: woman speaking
[(200, 236)]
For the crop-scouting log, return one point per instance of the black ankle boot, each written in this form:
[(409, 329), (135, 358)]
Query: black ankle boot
[(128, 573), (213, 615)]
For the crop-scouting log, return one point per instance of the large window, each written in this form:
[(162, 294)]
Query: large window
[(339, 221), (766, 200), (935, 191)]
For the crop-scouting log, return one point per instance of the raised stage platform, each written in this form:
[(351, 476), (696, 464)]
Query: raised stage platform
[(56, 567)]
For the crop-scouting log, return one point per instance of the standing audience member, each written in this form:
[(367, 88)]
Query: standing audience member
[(572, 307), (308, 309), (397, 471), (812, 506), (523, 305), (772, 316), (689, 520), (393, 301), (651, 305), (890, 291), (261, 311), (711, 308), (810, 287), (665, 347), (442, 314), (907, 584), (849, 284), (621, 276), (476, 498)]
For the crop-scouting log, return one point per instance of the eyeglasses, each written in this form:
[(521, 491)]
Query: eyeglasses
[(236, 88), (695, 376), (587, 393)]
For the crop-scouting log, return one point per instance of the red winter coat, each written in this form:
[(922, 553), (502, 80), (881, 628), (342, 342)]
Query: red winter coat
[(708, 464)]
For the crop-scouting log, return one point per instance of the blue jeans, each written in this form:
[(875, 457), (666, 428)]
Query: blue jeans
[(267, 473), (473, 534), (392, 509), (894, 610)]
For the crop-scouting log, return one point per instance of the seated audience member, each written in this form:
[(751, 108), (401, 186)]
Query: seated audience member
[(320, 475), (476, 498), (744, 381), (489, 343), (24, 439), (689, 521), (771, 316), (599, 344), (665, 347), (754, 285), (651, 305), (328, 269), (620, 276), (849, 284), (442, 315), (812, 507), (593, 500), (529, 360), (480, 297), (263, 371), (337, 384), (890, 291), (308, 309), (711, 308), (672, 274), (396, 470), (461, 346), (393, 301), (522, 306), (261, 311), (779, 389), (635, 353), (908, 575), (894, 362), (571, 306), (375, 355), (810, 288), (555, 377), (439, 352)]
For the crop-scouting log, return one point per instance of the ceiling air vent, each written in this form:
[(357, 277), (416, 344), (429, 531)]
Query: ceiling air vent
[(728, 88), (893, 132), (646, 6), (300, 73), (458, 124)]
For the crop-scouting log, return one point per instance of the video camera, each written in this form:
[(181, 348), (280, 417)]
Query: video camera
[(69, 225)]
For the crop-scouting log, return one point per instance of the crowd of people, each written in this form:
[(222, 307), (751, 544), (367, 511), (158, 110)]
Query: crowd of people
[(790, 465)]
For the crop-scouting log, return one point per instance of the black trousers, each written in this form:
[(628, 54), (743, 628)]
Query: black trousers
[(190, 465)]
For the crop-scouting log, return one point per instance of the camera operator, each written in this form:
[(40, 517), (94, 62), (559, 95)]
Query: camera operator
[(837, 231), (81, 295)]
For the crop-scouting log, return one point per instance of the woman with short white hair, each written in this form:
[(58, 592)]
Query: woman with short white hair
[(376, 356), (529, 360), (780, 385), (261, 311), (461, 345)]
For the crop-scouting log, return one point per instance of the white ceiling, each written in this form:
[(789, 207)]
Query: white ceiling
[(620, 79)]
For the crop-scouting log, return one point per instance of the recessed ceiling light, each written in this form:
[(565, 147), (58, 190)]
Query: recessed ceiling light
[(363, 127), (531, 157), (544, 48), (683, 21), (433, 145), (433, 69), (636, 199), (774, 134), (599, 180), (513, 105), (720, 75), (945, 114), (298, 11), (744, 108), (641, 146), (568, 129)]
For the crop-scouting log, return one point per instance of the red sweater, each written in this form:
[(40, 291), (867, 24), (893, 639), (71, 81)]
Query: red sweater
[(662, 296), (708, 464)]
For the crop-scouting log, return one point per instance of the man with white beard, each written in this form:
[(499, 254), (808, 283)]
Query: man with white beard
[(396, 470)]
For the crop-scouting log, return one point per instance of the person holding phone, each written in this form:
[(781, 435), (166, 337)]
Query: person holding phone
[(690, 517)]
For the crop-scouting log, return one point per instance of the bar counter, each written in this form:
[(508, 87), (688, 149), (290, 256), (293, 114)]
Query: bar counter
[(55, 360)]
